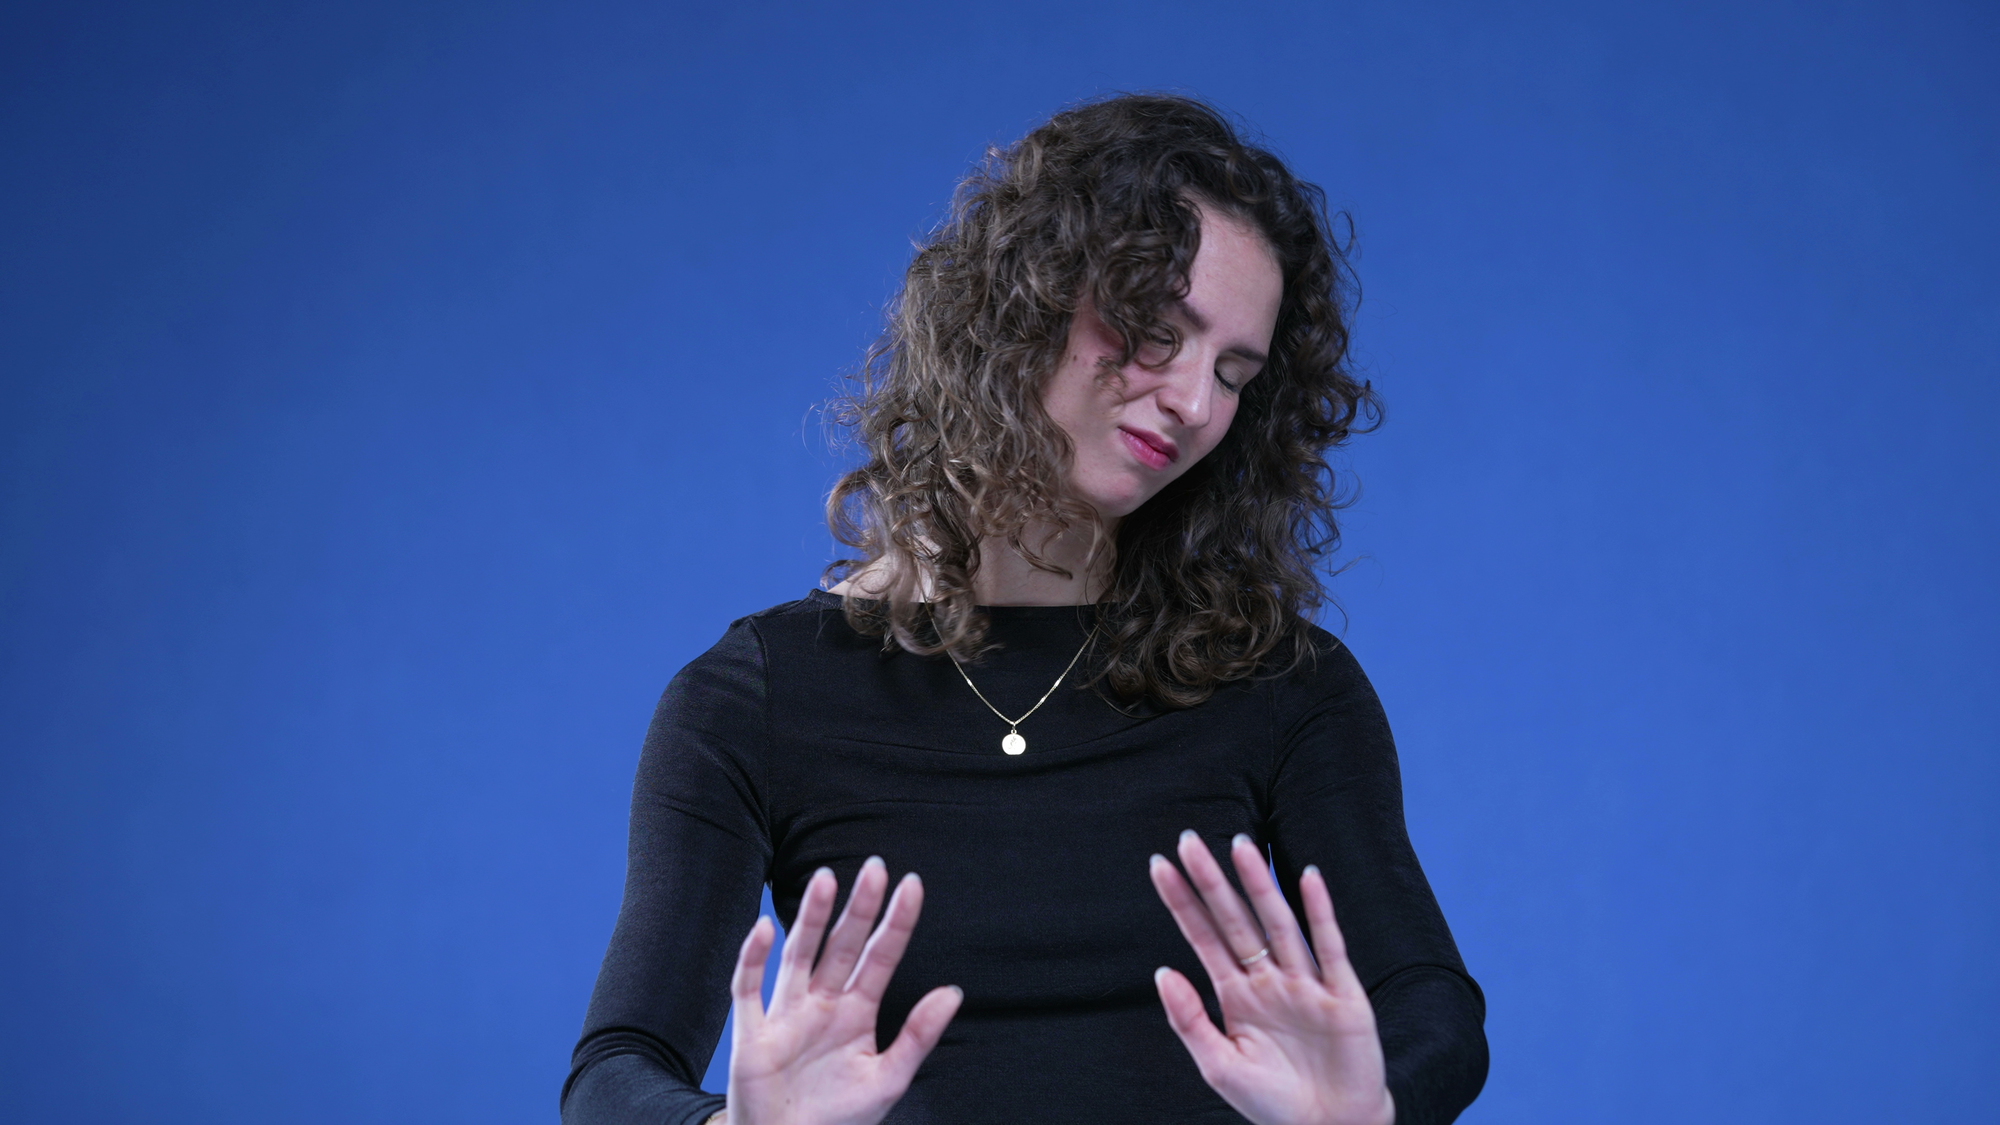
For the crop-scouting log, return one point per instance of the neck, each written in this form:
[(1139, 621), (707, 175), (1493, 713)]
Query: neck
[(1006, 577)]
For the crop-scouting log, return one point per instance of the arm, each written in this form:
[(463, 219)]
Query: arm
[(698, 857), (1365, 1020), (1336, 801)]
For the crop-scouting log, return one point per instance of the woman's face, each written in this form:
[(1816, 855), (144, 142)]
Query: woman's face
[(1134, 435)]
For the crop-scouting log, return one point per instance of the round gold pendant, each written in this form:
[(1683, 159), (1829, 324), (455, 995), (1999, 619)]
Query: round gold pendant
[(1014, 743)]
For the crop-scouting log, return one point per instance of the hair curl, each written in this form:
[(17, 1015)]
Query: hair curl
[(1213, 578)]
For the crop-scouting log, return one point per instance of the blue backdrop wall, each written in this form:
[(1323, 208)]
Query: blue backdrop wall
[(397, 394)]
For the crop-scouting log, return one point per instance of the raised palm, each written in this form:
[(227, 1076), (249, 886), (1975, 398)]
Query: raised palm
[(811, 1058), (1298, 1046)]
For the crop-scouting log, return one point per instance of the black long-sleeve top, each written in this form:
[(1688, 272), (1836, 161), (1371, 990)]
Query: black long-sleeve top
[(797, 743)]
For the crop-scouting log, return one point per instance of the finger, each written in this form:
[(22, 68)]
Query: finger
[(1240, 932), (746, 985), (1212, 1050), (1328, 944), (1192, 918), (843, 946), (885, 948), (921, 1031), (795, 966), (1281, 928)]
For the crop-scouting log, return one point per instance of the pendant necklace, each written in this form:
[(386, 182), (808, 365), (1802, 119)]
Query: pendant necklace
[(1013, 743)]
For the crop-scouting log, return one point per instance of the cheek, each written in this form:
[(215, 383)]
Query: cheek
[(1079, 398), (1068, 400)]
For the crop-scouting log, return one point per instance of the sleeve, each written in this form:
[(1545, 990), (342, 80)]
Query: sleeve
[(1337, 801), (698, 857)]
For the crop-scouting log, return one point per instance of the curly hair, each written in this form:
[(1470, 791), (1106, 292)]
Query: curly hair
[(1213, 579)]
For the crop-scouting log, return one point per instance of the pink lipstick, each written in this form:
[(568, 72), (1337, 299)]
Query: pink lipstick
[(1151, 449)]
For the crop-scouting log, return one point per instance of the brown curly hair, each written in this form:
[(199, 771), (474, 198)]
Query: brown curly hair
[(1212, 579)]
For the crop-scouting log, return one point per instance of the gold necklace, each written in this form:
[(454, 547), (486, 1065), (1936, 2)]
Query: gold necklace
[(1013, 743)]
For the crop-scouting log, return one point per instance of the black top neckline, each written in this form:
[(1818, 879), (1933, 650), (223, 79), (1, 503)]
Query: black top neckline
[(996, 612)]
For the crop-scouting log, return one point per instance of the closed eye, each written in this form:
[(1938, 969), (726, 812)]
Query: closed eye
[(1244, 368)]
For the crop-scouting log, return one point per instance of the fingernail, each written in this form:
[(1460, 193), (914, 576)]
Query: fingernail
[(1157, 858), (822, 871), (1238, 839), (960, 991), (874, 860), (1311, 869), (1188, 834), (1159, 974)]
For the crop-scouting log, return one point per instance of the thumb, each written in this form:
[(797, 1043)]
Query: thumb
[(746, 985), (921, 1031), (1211, 1049)]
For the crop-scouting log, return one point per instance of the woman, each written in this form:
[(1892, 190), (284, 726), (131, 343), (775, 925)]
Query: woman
[(1097, 430)]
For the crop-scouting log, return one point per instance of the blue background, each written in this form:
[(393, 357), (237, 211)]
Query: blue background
[(396, 395)]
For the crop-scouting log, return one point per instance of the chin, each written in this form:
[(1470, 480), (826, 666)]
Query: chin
[(1120, 506), (1117, 497)]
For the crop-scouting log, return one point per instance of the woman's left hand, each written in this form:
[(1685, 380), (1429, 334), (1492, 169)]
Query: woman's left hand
[(1299, 1045)]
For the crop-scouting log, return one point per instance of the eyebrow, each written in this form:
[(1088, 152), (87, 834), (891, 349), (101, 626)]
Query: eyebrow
[(1200, 323)]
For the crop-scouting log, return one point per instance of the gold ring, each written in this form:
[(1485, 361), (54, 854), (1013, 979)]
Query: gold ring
[(1246, 962)]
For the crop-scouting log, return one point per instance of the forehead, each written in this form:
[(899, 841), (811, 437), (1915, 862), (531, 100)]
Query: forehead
[(1235, 267), (1234, 233)]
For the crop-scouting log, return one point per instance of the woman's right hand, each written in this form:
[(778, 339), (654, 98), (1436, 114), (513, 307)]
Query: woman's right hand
[(811, 1059)]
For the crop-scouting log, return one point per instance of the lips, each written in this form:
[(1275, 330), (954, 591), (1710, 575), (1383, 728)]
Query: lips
[(1151, 449)]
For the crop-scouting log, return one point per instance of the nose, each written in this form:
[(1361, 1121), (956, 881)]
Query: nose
[(1186, 390)]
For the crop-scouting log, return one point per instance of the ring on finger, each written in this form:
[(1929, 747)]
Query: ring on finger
[(1246, 962)]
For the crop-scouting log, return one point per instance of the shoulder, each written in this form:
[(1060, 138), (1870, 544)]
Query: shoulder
[(718, 704), (790, 630), (747, 639), (1326, 678), (1326, 664), (741, 659)]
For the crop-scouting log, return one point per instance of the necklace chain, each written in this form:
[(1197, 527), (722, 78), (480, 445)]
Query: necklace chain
[(1013, 743)]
